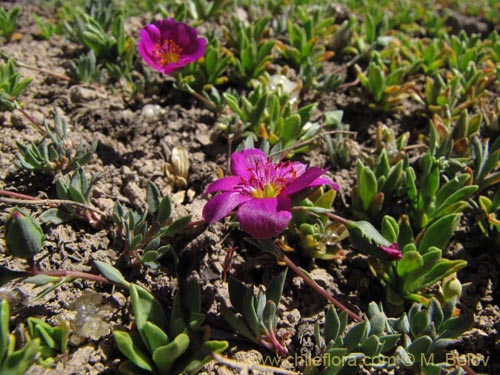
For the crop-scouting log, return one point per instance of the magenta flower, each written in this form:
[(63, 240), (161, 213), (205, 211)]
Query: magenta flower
[(392, 251), (262, 192), (168, 45)]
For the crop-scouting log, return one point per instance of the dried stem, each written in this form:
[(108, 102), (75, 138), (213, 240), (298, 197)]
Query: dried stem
[(36, 69), (27, 200)]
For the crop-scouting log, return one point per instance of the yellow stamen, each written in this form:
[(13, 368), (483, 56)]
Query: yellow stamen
[(269, 191)]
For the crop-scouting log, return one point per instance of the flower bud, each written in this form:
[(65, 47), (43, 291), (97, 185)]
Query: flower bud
[(23, 234), (452, 287)]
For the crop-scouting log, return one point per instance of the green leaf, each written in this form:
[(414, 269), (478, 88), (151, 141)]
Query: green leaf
[(378, 323), (42, 333), (290, 131), (420, 346), (365, 238), (146, 309), (439, 233), (7, 275), (432, 369), (176, 227), (130, 350), (249, 313), (419, 323), (237, 323), (153, 197), (111, 273), (454, 327), (393, 179), (55, 216), (4, 328), (332, 325), (275, 288), (390, 229), (411, 261), (128, 368), (18, 362), (418, 280), (237, 291), (371, 346), (41, 279), (155, 336), (165, 356), (164, 210), (389, 342), (356, 335), (367, 186), (269, 316)]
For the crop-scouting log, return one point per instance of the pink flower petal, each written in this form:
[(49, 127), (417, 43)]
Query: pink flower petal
[(180, 34), (305, 180), (265, 217), (247, 159), (223, 184), (222, 205)]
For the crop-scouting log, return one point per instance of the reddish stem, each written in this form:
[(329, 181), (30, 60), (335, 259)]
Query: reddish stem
[(337, 218), (317, 288), (34, 270), (13, 194), (33, 121), (278, 347)]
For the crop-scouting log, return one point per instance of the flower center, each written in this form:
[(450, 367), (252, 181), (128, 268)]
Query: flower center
[(267, 191), (168, 52), (267, 180)]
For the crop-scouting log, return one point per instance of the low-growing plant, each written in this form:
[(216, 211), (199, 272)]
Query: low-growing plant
[(162, 345), (272, 115), (85, 69), (77, 188), (8, 21), (143, 230), (305, 50), (488, 219), (209, 71), (11, 86), (317, 236), (196, 9), (14, 359), (386, 85), (338, 144), (53, 340), (256, 317), (376, 188), (55, 152), (430, 199), (46, 28), (394, 342), (103, 32), (485, 166), (252, 50)]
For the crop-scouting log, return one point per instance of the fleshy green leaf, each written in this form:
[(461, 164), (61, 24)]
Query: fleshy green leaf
[(155, 336), (146, 309), (275, 288), (111, 273), (128, 347), (165, 356), (439, 233)]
